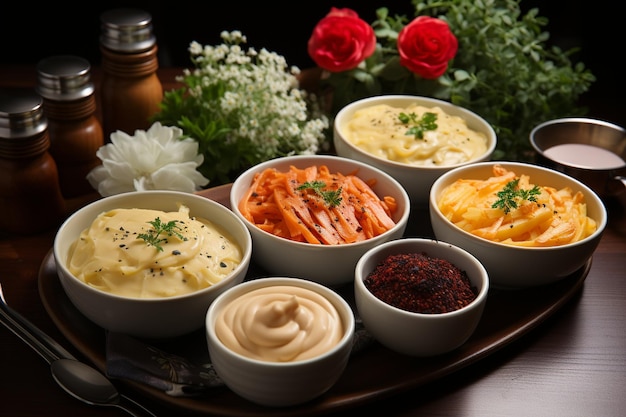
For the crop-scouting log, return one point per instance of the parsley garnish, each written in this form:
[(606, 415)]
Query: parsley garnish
[(510, 195), (153, 237), (331, 197), (427, 122)]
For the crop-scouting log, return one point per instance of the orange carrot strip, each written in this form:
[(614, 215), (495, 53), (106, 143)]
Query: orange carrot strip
[(347, 224), (368, 204), (296, 217), (324, 226)]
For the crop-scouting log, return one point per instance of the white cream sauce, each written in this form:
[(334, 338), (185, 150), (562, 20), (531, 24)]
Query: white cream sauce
[(279, 324)]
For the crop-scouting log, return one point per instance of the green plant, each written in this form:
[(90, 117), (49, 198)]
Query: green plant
[(504, 69), (243, 107)]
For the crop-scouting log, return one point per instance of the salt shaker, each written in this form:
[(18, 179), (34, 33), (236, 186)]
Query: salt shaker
[(69, 104), (131, 91), (30, 195)]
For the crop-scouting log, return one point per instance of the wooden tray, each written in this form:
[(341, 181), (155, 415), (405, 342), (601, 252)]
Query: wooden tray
[(371, 374)]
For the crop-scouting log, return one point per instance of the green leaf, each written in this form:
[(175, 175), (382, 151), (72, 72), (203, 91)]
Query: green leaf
[(160, 232), (510, 196), (331, 197), (417, 127)]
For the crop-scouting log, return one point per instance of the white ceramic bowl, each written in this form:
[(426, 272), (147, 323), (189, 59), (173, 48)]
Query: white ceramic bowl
[(515, 266), (416, 179), (330, 265), (155, 317), (280, 384), (420, 334)]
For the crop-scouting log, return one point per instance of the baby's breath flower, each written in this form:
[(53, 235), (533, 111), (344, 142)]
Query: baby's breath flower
[(156, 159), (195, 48), (243, 106)]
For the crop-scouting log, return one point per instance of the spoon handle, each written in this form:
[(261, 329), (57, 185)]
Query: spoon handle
[(51, 351), (133, 408), (41, 343)]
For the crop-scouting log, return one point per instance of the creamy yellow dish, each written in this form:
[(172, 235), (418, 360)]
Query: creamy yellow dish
[(279, 324), (152, 254), (379, 131)]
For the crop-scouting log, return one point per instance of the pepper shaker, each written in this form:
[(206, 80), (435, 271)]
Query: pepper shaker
[(30, 195), (69, 104), (131, 91)]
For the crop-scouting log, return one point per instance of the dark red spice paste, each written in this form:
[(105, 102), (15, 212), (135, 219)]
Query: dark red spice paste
[(420, 283)]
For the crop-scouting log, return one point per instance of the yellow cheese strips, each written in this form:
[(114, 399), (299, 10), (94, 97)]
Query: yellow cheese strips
[(557, 217)]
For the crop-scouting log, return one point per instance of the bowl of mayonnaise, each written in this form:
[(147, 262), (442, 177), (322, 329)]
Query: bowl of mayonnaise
[(280, 341)]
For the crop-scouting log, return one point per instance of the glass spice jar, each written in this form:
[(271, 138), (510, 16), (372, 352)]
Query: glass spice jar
[(69, 104), (30, 196), (131, 92)]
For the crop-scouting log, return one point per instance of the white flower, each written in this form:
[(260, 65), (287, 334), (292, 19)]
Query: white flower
[(156, 159), (247, 106)]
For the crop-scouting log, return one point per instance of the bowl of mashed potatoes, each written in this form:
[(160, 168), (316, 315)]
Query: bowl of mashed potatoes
[(528, 225), (414, 139), (149, 264), (280, 341)]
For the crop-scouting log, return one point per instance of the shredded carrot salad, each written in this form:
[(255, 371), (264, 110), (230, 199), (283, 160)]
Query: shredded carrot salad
[(293, 205)]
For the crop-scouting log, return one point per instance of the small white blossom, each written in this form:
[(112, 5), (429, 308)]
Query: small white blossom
[(156, 159), (195, 48)]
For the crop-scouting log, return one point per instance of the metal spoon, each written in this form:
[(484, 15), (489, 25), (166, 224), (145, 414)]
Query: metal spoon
[(77, 378), (88, 385)]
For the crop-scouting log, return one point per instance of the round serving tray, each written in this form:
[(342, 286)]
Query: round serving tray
[(373, 373)]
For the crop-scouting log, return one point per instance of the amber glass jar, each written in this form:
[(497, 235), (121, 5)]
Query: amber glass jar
[(75, 132), (30, 196), (131, 92)]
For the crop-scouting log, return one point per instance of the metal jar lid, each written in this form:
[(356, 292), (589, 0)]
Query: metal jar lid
[(21, 113), (127, 30), (64, 77)]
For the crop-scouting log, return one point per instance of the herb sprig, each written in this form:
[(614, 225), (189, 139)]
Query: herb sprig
[(428, 121), (510, 196), (331, 197), (160, 232)]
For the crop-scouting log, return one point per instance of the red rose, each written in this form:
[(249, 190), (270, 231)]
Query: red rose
[(426, 45), (341, 40)]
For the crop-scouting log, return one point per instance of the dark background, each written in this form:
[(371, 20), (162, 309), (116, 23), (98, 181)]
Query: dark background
[(30, 32)]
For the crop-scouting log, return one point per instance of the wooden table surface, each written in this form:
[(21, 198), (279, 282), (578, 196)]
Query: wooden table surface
[(573, 364)]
